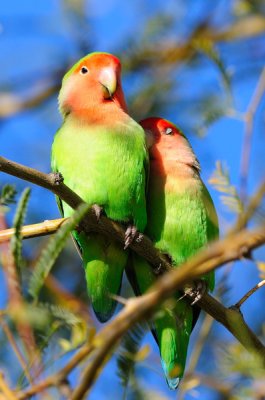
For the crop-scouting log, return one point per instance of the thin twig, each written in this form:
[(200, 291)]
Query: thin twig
[(204, 332), (246, 148), (34, 230), (250, 209), (57, 378), (9, 395), (15, 299), (249, 293), (13, 104), (16, 350), (67, 299), (193, 380)]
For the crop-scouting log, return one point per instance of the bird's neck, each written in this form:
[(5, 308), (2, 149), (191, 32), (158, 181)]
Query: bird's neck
[(175, 159), (106, 114)]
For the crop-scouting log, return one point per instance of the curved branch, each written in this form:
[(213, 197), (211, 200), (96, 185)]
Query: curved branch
[(105, 226), (138, 308), (231, 248)]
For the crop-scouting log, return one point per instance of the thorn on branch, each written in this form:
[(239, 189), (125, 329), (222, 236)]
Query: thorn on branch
[(236, 308), (56, 178), (244, 252)]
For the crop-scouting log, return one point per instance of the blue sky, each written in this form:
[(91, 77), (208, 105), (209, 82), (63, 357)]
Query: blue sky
[(37, 41)]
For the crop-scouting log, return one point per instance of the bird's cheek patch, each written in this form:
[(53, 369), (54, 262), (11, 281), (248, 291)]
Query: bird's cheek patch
[(66, 95)]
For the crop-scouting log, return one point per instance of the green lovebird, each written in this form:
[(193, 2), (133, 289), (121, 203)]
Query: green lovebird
[(181, 220), (101, 153)]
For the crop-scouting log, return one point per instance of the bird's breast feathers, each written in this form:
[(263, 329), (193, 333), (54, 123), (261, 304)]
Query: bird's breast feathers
[(104, 166)]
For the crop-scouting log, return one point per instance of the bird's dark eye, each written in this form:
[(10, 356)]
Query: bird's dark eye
[(168, 131), (83, 70)]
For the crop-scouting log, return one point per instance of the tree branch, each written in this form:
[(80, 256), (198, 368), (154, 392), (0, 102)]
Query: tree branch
[(249, 118), (231, 248), (90, 222), (16, 349), (9, 395), (35, 230), (250, 209), (139, 308)]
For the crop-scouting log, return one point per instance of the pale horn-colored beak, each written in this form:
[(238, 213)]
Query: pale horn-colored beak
[(108, 80)]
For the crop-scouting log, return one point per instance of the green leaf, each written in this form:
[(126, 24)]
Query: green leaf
[(37, 317), (220, 179), (235, 359), (16, 240), (62, 313), (52, 251), (8, 194)]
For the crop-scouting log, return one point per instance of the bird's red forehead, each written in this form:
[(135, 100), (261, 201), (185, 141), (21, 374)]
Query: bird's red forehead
[(99, 61), (158, 126)]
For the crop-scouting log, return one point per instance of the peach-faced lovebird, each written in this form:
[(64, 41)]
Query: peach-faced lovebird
[(100, 152), (181, 219)]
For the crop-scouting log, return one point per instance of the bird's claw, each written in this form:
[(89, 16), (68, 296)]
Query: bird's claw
[(196, 290), (158, 269), (98, 210), (130, 235)]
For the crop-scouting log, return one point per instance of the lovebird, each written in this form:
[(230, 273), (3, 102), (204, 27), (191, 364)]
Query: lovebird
[(101, 153), (181, 219)]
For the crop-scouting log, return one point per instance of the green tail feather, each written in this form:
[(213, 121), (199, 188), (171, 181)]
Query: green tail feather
[(172, 323), (104, 262)]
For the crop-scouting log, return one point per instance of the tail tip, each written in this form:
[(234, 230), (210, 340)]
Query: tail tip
[(173, 383)]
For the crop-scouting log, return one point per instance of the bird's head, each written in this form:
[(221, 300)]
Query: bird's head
[(160, 132), (93, 81), (165, 140)]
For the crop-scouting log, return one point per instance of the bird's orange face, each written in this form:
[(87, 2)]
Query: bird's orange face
[(169, 149), (161, 134), (93, 81)]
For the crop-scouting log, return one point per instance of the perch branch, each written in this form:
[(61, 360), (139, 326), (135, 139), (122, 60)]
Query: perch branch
[(138, 308), (229, 249), (90, 223)]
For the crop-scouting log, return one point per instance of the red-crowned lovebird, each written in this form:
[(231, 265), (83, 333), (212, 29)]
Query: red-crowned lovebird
[(181, 220)]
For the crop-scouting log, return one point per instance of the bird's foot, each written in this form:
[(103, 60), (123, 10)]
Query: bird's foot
[(132, 234), (195, 290), (98, 210), (158, 270), (56, 178)]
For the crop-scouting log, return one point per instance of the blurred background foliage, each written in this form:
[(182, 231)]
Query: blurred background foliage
[(198, 63)]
